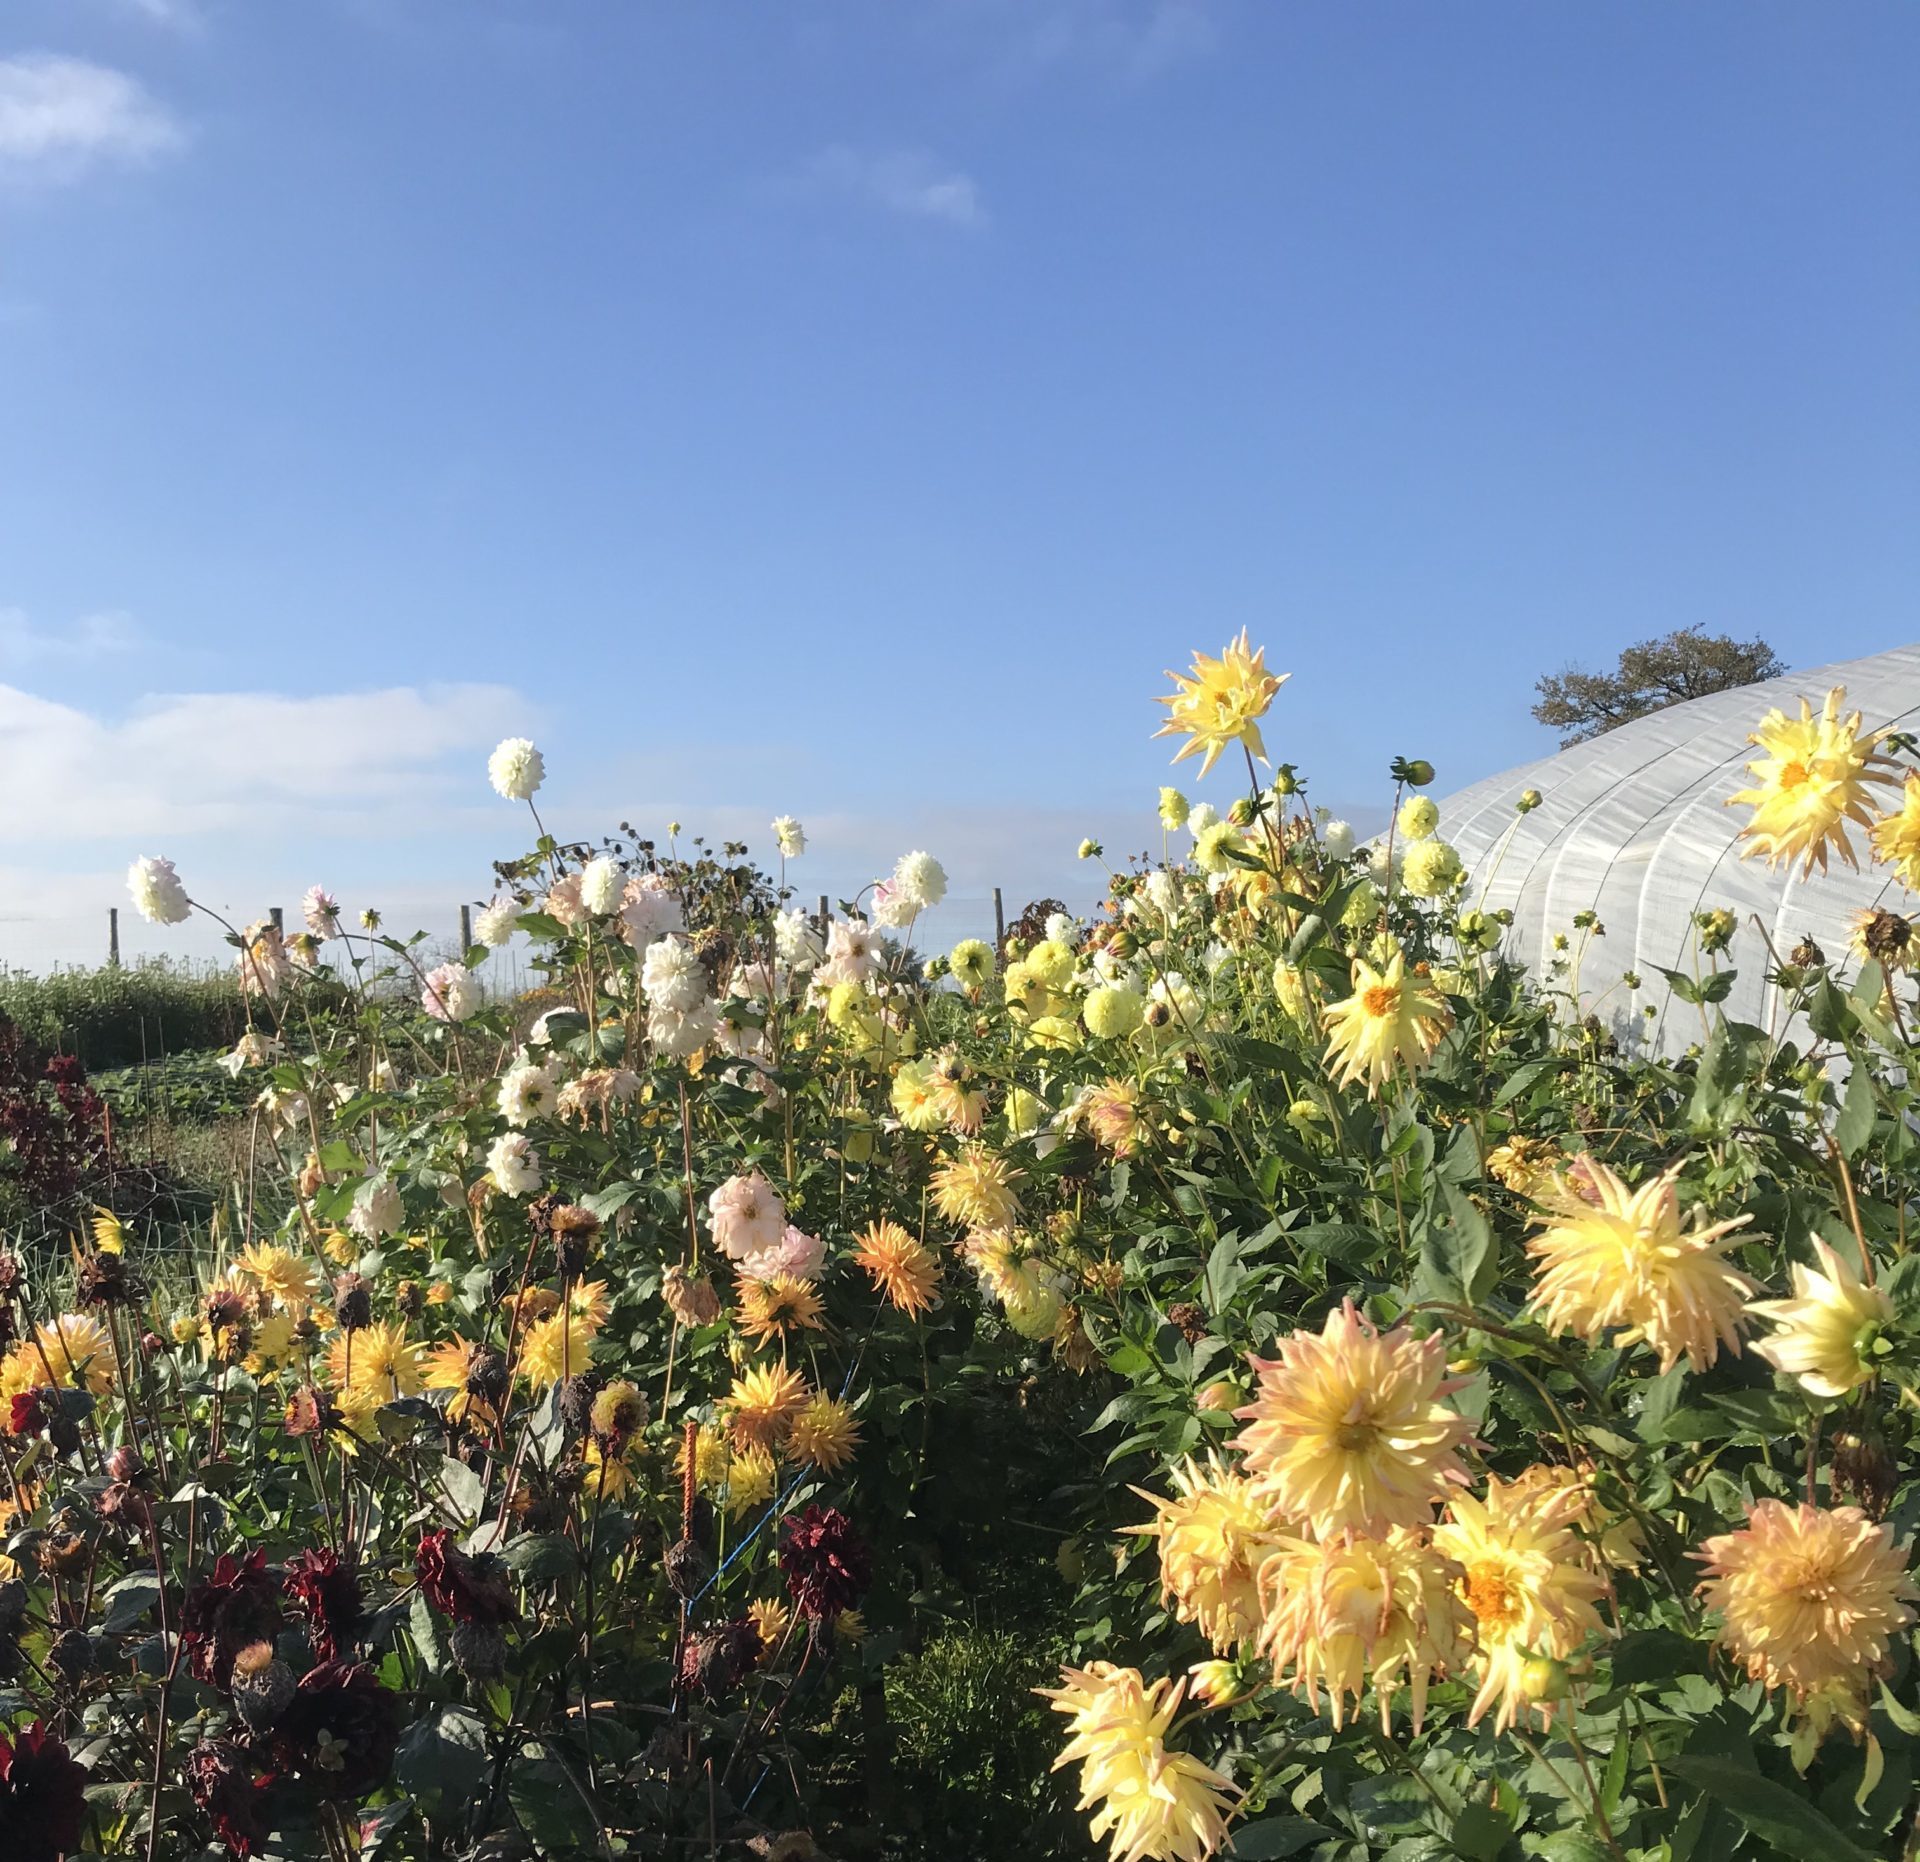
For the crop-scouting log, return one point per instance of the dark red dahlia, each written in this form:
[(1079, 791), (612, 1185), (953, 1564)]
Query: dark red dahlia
[(32, 1410), (468, 1589), (238, 1605), (327, 1591), (715, 1660), (230, 1797), (43, 1797), (340, 1731), (826, 1561)]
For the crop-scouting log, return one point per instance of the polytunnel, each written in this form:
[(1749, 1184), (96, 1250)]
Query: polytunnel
[(1633, 826)]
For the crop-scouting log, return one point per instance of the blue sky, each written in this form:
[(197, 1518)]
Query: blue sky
[(851, 408)]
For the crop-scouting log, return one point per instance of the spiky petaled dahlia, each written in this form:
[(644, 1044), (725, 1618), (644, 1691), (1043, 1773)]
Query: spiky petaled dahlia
[(710, 1457), (827, 1563), (1808, 1596), (470, 1588), (905, 1270), (978, 1189), (43, 1796), (1221, 703), (1896, 835), (458, 1365), (1156, 1802), (378, 1363), (1611, 1541), (1213, 1535), (771, 1619), (1816, 776), (287, 1279), (1388, 1020), (824, 1433), (1346, 1430), (763, 1402), (1522, 1576), (1827, 1328), (1111, 1112), (772, 1308), (556, 1347), (1609, 1256), (751, 1477), (71, 1349), (1354, 1609)]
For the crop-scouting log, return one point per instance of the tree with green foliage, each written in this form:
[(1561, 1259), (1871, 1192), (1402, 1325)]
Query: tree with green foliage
[(1687, 663)]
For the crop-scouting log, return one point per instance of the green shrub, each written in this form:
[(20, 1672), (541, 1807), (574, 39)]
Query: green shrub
[(119, 1017)]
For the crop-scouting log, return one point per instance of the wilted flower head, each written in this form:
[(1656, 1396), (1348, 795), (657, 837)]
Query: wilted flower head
[(158, 895), (516, 769), (43, 1796), (239, 1604)]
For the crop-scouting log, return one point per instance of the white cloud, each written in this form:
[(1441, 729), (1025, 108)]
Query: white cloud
[(173, 15), (367, 763), (1126, 39), (60, 116), (92, 637), (909, 182)]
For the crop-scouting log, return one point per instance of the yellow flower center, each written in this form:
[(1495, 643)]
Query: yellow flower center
[(1381, 1000), (1356, 1437), (1492, 1596), (1795, 775)]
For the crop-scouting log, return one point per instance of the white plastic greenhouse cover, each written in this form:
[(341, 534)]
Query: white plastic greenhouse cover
[(1633, 827)]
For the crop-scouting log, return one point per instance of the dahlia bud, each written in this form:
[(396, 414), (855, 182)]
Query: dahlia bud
[(1241, 813), (687, 1566), (1530, 799), (409, 1300)]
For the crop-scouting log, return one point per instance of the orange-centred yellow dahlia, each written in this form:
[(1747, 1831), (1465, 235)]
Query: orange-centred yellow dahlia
[(1388, 1020), (1815, 777), (1157, 1803), (1827, 1330), (377, 1363), (1347, 1430), (558, 1347), (773, 1308), (1221, 703), (1353, 1609), (1213, 1535), (1618, 1257), (905, 1270), (1809, 1597), (1523, 1578), (763, 1402)]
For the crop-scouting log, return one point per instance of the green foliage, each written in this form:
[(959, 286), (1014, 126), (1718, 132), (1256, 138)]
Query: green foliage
[(122, 1016)]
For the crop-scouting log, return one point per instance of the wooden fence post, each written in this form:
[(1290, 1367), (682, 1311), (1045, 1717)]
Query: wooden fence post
[(279, 918), (466, 930), (999, 924), (823, 914), (113, 937)]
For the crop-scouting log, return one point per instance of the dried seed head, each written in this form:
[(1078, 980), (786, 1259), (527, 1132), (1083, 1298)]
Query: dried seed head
[(352, 1302)]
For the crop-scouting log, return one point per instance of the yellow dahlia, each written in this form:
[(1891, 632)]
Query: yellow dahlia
[(557, 1347), (1808, 1596), (1221, 703), (1523, 1579), (977, 1189), (1158, 1803), (751, 1476), (711, 1456), (1619, 1258), (1389, 1020), (1611, 1541), (771, 1619), (609, 1473), (590, 1303), (286, 1278), (450, 1366), (1815, 777), (1896, 835), (1522, 1164), (773, 1308), (1346, 1429), (763, 1403), (824, 1433), (1213, 1535), (1827, 1329), (915, 1097), (904, 1269), (1353, 1609), (377, 1363), (71, 1349), (958, 1093)]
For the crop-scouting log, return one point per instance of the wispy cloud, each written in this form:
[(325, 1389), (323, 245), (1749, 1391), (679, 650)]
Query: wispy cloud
[(908, 182), (93, 636), (1124, 39), (171, 15), (60, 117), (210, 763)]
